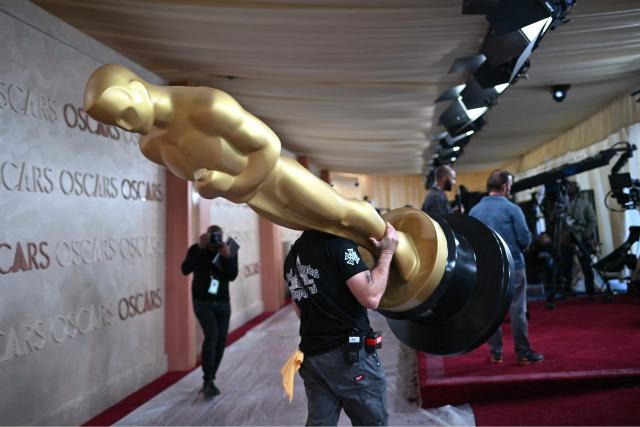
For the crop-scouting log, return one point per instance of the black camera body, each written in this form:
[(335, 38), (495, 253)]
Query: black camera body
[(625, 190), (215, 239)]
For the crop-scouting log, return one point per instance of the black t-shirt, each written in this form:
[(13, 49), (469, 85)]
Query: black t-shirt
[(200, 262), (318, 267)]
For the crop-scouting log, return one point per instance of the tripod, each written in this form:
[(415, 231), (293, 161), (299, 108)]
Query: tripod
[(559, 218), (584, 252)]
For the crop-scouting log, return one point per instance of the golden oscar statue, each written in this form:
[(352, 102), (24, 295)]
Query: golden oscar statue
[(204, 135)]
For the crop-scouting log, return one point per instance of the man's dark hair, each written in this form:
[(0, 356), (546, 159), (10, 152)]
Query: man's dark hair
[(497, 179), (443, 172)]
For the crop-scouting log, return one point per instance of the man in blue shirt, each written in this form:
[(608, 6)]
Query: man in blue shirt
[(507, 219)]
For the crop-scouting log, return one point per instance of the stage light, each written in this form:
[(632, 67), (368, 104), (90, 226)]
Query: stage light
[(457, 118), (507, 54), (559, 92), (517, 45), (467, 63), (501, 88), (475, 96), (516, 29), (509, 16), (448, 153), (475, 113), (451, 93), (447, 141)]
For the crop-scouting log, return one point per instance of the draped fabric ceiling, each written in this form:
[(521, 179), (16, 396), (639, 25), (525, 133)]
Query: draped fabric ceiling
[(351, 84)]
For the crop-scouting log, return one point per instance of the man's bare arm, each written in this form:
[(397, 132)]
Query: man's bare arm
[(369, 286)]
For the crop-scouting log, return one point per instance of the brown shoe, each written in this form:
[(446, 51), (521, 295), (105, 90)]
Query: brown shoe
[(496, 358), (531, 357)]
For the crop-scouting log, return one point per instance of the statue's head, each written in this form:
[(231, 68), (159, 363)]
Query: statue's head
[(116, 95)]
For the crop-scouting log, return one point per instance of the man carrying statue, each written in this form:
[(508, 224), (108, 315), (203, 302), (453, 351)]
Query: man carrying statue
[(434, 288)]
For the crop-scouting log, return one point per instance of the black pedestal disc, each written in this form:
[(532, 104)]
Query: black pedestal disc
[(473, 324)]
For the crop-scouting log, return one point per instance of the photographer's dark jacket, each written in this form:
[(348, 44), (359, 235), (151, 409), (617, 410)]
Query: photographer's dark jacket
[(200, 262)]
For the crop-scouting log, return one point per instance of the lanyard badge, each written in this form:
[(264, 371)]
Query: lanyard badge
[(213, 286)]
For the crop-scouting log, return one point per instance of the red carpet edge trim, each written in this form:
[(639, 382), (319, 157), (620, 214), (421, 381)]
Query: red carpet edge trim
[(605, 373)]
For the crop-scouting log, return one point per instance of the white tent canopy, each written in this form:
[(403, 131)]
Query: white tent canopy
[(352, 83)]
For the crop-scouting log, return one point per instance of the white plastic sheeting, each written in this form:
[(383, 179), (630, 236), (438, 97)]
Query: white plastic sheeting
[(252, 394)]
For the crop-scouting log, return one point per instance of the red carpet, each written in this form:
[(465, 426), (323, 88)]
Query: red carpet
[(587, 345), (609, 407)]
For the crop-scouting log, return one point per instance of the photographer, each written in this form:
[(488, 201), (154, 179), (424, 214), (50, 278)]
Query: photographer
[(213, 266)]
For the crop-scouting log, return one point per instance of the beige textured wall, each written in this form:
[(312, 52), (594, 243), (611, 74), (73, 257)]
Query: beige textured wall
[(81, 249)]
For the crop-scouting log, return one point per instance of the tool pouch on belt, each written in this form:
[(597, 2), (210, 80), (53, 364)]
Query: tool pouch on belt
[(372, 341)]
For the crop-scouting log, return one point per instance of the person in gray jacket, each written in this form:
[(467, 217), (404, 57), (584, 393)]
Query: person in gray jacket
[(507, 219), (578, 239)]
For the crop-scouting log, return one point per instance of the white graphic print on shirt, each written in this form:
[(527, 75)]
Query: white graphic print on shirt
[(305, 273), (351, 257)]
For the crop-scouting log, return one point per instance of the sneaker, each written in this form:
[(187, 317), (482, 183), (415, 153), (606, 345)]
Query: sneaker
[(209, 388), (531, 357), (496, 358)]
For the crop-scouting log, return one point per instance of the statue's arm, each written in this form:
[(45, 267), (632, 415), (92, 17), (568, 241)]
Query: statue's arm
[(216, 112)]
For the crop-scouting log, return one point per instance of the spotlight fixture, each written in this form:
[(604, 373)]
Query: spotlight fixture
[(450, 153), (508, 16), (434, 163), (457, 118), (467, 63), (475, 96), (559, 92), (451, 93), (447, 141), (517, 26)]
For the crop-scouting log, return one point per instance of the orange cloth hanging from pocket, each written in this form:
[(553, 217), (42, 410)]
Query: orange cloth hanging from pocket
[(288, 371)]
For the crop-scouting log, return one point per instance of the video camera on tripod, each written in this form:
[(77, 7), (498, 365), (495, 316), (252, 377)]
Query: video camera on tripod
[(624, 189)]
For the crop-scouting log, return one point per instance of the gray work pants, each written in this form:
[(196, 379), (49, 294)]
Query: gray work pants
[(332, 384), (519, 324)]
